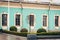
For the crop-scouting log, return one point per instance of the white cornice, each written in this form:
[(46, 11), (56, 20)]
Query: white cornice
[(52, 8)]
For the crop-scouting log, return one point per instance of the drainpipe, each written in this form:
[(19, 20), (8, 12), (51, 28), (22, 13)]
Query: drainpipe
[(48, 16), (8, 14), (21, 12)]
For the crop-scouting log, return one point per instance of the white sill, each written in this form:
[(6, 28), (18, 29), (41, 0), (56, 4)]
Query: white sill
[(45, 27), (56, 27), (4, 27), (17, 26), (32, 27)]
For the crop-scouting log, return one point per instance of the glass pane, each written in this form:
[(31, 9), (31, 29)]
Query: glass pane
[(56, 20), (31, 20), (4, 19), (44, 20), (17, 20)]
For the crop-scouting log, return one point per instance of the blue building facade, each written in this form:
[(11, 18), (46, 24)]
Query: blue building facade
[(31, 16)]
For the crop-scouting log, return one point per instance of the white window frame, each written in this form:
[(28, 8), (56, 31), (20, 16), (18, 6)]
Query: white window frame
[(56, 27), (32, 27), (47, 20), (45, 27), (5, 27), (20, 19), (59, 20)]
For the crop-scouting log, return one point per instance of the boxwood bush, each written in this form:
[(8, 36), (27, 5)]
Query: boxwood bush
[(1, 30), (49, 33), (15, 33), (24, 34), (41, 30), (13, 28), (24, 30)]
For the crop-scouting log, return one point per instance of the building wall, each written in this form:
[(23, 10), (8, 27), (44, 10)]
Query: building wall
[(38, 16)]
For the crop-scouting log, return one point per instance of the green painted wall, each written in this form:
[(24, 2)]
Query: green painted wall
[(2, 9), (51, 19), (38, 13)]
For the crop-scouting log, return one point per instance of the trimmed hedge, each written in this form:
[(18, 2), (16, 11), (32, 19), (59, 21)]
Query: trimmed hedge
[(15, 33), (49, 33), (24, 30), (41, 30), (13, 28), (24, 34)]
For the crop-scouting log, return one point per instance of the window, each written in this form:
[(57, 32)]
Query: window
[(17, 20), (4, 19), (44, 20), (56, 20), (31, 20)]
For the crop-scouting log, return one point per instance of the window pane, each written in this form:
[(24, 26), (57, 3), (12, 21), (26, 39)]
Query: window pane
[(44, 20), (4, 19), (31, 20), (17, 20), (56, 20)]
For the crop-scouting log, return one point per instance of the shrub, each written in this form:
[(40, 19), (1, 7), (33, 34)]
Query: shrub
[(13, 28), (15, 33), (41, 30), (24, 30), (25, 34), (1, 30), (49, 33)]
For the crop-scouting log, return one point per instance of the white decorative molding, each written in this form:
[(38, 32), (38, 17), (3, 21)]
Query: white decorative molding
[(34, 19), (5, 27), (56, 27), (31, 28), (18, 29), (20, 19), (30, 7), (45, 28), (47, 20), (58, 22)]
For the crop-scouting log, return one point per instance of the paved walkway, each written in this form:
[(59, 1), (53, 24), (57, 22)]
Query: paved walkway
[(11, 37), (14, 37)]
